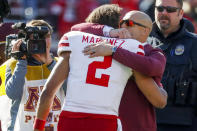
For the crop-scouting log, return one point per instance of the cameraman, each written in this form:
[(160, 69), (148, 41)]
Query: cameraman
[(25, 79)]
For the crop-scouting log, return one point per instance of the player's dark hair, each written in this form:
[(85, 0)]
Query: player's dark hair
[(4, 9), (108, 14), (180, 2)]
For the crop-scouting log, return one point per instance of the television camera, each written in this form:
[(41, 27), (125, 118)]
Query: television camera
[(33, 40)]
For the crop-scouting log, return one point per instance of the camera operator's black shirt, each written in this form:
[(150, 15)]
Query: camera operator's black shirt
[(33, 62)]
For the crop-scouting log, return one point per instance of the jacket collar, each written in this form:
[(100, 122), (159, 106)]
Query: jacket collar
[(33, 62), (175, 35)]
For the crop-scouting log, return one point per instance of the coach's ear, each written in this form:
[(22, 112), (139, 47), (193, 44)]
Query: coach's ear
[(146, 32)]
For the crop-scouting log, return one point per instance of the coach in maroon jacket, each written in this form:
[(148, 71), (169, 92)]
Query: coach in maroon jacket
[(137, 105)]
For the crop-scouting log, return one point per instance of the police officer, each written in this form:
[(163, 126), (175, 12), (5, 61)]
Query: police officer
[(180, 76)]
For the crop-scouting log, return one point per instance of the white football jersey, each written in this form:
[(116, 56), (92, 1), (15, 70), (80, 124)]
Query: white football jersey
[(95, 85)]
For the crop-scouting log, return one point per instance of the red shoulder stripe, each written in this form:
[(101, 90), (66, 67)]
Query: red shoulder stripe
[(140, 53), (63, 44)]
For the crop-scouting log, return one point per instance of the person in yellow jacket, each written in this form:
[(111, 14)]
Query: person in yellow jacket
[(24, 79), (5, 102)]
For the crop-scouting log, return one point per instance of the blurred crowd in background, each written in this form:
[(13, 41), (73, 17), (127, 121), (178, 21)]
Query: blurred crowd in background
[(62, 14)]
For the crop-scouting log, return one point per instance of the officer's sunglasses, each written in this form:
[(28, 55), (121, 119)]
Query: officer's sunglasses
[(169, 9), (130, 23)]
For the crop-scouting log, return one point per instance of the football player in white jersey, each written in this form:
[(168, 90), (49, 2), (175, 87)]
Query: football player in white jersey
[(95, 86)]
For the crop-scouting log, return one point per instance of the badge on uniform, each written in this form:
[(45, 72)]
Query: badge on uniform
[(179, 50)]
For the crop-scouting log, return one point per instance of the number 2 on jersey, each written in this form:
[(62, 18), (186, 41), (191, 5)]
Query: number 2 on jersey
[(104, 80)]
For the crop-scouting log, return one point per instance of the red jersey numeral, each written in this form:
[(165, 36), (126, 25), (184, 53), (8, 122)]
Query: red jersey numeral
[(104, 80)]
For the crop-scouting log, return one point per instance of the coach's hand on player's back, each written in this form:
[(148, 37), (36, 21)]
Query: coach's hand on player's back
[(121, 33), (103, 48)]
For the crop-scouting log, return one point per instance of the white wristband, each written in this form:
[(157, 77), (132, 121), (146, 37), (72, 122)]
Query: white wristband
[(106, 30)]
